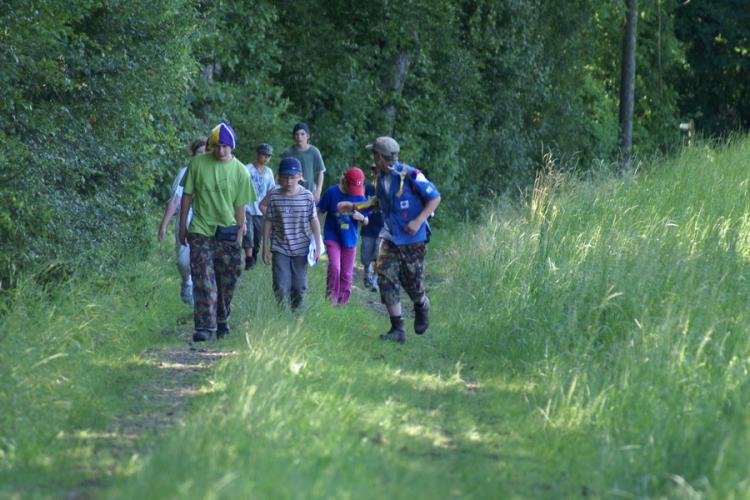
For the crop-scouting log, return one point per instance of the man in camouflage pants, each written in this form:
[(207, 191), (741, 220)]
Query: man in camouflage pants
[(218, 186), (406, 199)]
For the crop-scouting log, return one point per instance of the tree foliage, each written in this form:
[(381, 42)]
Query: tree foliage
[(715, 89), (98, 98)]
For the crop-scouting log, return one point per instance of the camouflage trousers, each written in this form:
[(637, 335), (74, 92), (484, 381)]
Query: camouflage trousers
[(401, 266), (215, 267)]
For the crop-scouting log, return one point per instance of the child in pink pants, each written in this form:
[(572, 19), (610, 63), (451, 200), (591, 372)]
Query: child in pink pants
[(340, 233)]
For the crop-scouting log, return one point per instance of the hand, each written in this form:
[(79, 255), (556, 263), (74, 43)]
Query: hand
[(316, 253), (266, 257), (413, 226), (344, 206), (183, 237), (161, 233), (357, 215), (316, 196)]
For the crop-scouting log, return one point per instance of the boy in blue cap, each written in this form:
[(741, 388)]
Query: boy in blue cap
[(290, 219), (218, 186)]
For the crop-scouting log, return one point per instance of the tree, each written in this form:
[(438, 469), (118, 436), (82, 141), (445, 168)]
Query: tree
[(627, 82), (715, 88)]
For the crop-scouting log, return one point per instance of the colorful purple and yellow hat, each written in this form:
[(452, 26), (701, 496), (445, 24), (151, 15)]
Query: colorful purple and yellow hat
[(223, 133)]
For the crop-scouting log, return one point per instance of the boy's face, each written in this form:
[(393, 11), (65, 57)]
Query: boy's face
[(222, 152), (381, 163), (301, 139), (289, 182), (262, 159)]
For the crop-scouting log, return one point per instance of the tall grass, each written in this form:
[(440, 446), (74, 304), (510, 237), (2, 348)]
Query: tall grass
[(626, 300)]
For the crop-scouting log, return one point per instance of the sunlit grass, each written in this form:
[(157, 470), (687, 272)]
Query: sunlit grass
[(69, 358)]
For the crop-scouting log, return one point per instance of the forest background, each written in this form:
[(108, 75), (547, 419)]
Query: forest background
[(98, 98)]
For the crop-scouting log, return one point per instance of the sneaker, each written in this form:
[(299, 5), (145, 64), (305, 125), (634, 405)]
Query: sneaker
[(249, 262), (186, 292), (222, 330), (201, 336), (422, 316)]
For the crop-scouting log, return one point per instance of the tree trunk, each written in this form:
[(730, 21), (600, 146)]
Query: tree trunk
[(395, 85), (627, 82)]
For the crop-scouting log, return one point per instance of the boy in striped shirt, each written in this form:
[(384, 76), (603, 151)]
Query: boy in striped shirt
[(290, 220)]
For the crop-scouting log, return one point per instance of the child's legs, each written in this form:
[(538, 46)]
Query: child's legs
[(334, 269), (389, 270), (227, 266), (247, 238), (257, 233), (411, 273), (299, 280), (183, 261), (369, 250), (205, 292), (281, 268), (348, 255)]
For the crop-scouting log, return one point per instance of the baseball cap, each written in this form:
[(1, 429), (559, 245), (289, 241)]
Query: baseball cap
[(290, 166), (264, 149), (385, 145), (354, 179)]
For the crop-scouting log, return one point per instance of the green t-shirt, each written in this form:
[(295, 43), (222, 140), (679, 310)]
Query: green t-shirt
[(217, 187)]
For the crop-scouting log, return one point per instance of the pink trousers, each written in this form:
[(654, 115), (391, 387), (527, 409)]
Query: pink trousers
[(340, 269)]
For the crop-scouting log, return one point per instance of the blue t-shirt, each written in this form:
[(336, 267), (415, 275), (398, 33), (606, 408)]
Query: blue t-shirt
[(339, 226), (375, 222)]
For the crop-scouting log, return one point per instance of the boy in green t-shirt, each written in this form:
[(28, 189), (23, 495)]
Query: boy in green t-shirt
[(218, 186)]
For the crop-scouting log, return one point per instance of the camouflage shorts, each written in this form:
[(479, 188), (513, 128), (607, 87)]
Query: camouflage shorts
[(215, 267), (401, 266)]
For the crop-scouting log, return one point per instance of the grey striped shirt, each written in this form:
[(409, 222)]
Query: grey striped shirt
[(290, 216)]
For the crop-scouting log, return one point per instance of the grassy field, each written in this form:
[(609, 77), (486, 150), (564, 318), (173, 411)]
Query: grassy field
[(592, 342)]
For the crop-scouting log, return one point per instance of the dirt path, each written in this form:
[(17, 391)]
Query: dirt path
[(157, 406)]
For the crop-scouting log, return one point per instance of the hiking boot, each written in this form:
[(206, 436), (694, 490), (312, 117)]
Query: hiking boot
[(186, 292), (396, 333), (201, 336), (222, 330), (422, 316)]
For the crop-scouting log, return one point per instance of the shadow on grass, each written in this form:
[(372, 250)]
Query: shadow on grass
[(107, 438)]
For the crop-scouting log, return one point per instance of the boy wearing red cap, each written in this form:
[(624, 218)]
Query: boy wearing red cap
[(340, 233)]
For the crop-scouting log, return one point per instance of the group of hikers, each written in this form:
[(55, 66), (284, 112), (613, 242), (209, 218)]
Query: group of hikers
[(230, 214)]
